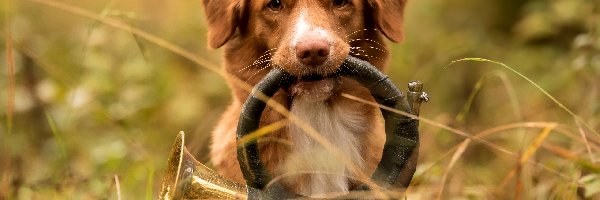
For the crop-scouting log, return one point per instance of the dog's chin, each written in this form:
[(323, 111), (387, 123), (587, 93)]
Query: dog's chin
[(313, 89)]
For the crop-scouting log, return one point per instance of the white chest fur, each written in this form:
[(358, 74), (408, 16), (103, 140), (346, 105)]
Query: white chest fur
[(327, 172)]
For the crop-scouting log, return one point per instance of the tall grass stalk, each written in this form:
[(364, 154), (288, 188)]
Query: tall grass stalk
[(579, 119)]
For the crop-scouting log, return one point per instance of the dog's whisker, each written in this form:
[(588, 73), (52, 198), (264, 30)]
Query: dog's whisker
[(357, 31), (262, 57), (366, 56), (266, 53), (269, 51), (355, 48), (378, 49), (353, 69), (260, 70), (249, 66), (254, 64), (265, 58), (367, 40), (359, 50)]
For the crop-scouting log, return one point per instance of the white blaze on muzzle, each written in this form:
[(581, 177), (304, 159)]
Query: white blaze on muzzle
[(305, 29)]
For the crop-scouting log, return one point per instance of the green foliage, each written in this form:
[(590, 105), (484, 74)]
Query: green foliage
[(92, 101)]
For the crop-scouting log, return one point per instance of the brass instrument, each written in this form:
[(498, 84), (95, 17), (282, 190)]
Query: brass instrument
[(186, 178)]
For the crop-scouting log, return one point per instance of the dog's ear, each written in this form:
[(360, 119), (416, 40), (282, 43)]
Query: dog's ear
[(223, 17), (389, 16)]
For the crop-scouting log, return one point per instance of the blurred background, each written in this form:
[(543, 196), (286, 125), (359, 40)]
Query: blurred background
[(84, 104)]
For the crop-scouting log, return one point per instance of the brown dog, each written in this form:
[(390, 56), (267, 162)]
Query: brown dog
[(305, 38)]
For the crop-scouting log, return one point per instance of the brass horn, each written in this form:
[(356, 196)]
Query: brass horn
[(186, 178)]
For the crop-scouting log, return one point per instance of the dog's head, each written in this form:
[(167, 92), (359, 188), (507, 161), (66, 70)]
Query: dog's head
[(307, 38)]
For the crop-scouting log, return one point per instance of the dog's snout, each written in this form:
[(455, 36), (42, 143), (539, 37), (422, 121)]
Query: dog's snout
[(312, 52)]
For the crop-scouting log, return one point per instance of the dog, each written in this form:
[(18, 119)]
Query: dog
[(305, 38)]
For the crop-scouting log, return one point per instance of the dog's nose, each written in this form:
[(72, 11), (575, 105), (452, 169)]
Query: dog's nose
[(312, 52)]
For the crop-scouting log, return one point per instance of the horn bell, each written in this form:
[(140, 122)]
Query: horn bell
[(186, 178)]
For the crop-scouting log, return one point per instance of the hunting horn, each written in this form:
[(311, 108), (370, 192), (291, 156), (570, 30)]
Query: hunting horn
[(400, 151), (186, 178)]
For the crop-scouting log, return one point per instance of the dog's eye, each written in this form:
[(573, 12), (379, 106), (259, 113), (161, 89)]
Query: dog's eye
[(275, 5), (340, 3)]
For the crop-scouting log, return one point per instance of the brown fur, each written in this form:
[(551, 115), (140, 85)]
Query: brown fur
[(248, 29)]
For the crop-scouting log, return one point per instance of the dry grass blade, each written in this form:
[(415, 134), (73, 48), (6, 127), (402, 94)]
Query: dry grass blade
[(311, 132), (150, 183), (557, 129), (457, 154), (508, 177), (264, 131), (10, 67), (536, 144), (491, 131), (418, 177), (56, 72), (579, 119), (566, 154), (6, 181), (57, 135), (528, 153), (118, 187), (585, 141)]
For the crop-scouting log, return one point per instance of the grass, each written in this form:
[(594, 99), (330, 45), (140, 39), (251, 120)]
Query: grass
[(579, 120), (115, 88)]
